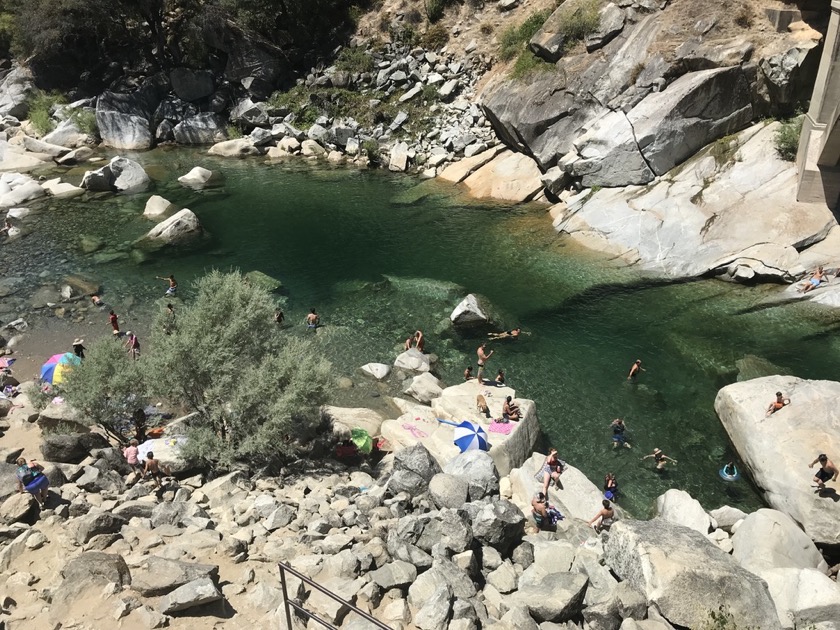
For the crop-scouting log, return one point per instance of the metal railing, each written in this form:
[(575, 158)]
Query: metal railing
[(290, 603)]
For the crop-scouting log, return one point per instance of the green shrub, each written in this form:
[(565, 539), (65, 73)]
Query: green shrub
[(233, 132), (579, 20), (85, 120), (38, 396), (514, 38), (787, 138), (107, 387), (257, 393), (355, 59), (371, 149), (40, 110), (430, 94), (435, 37), (527, 63), (435, 9)]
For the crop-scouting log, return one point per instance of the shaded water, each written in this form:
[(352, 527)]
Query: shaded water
[(378, 259)]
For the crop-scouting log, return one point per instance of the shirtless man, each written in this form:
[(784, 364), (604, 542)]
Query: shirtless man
[(635, 369), (408, 343), (312, 320), (483, 358), (827, 471), (814, 281), (419, 341), (173, 285), (152, 469), (777, 404)]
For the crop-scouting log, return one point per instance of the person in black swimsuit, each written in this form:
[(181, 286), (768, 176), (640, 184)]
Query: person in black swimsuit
[(827, 471), (660, 458)]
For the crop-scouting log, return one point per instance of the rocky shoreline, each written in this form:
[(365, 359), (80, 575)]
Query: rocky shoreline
[(426, 539)]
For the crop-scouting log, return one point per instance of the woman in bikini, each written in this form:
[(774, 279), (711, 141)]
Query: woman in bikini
[(604, 519), (551, 469), (510, 411)]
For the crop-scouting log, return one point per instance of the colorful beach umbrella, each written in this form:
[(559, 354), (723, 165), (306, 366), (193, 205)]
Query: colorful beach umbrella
[(55, 370), (362, 440), (470, 437)]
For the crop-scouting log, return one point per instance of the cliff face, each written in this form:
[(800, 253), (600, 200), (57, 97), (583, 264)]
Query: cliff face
[(650, 85)]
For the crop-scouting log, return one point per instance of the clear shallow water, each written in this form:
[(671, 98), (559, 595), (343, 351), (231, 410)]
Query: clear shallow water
[(378, 259)]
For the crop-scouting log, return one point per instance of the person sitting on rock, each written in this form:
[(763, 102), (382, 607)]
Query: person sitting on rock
[(827, 471), (419, 341), (777, 404), (545, 515), (604, 519), (468, 375), (510, 412), (818, 277), (551, 469), (31, 479), (500, 378), (610, 486)]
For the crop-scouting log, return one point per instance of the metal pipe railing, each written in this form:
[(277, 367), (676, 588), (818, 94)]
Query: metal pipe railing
[(290, 604)]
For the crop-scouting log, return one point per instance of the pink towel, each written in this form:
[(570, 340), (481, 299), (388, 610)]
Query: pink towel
[(501, 427), (415, 432)]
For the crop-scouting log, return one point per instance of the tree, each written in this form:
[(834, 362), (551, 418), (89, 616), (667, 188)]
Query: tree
[(107, 387), (253, 390)]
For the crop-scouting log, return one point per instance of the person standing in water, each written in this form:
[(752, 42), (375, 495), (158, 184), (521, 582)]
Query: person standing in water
[(660, 458), (635, 369), (173, 285), (313, 320), (483, 358), (133, 345), (279, 317), (618, 429), (115, 323)]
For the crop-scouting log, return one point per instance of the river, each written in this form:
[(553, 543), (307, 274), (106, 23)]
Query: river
[(380, 256)]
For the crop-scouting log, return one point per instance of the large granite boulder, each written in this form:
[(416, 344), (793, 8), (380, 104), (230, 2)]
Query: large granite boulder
[(239, 147), (777, 449), (15, 90), (181, 227), (120, 174), (413, 360), (469, 312), (191, 85), (414, 468), (663, 130), (769, 539), (677, 506), (508, 177), (124, 120), (685, 575), (448, 491), (204, 128), (478, 470), (500, 524), (70, 448), (155, 576), (424, 388), (804, 598)]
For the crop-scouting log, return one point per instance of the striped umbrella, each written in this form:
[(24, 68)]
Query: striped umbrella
[(470, 437), (57, 366)]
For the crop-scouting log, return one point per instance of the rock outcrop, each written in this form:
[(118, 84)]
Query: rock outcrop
[(124, 120), (685, 576), (181, 227), (777, 449), (708, 215)]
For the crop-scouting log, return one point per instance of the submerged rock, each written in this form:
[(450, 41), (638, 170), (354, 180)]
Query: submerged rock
[(198, 178), (263, 281)]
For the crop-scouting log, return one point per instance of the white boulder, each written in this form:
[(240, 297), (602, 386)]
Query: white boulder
[(777, 449), (157, 207), (180, 227), (677, 506), (197, 178), (413, 360), (379, 371), (425, 388), (469, 311)]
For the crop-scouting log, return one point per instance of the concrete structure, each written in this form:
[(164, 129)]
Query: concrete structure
[(818, 159)]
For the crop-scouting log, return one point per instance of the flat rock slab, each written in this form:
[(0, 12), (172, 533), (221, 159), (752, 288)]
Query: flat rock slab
[(195, 593), (779, 448)]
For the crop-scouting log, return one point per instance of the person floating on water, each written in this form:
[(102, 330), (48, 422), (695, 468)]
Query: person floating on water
[(818, 277), (826, 472), (660, 458), (507, 334), (97, 301), (618, 429), (777, 404), (635, 369), (173, 285), (730, 472), (313, 320)]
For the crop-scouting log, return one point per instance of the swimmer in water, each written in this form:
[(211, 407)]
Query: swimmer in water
[(635, 369), (660, 458), (507, 334)]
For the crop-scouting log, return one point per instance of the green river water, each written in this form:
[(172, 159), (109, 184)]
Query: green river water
[(379, 257)]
